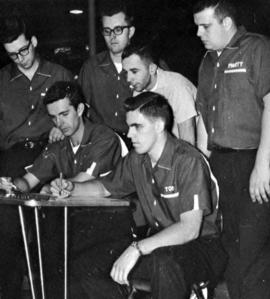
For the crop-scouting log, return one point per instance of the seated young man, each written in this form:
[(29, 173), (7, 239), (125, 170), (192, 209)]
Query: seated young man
[(179, 200), (88, 151)]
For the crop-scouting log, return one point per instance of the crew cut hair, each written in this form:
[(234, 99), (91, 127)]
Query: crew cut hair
[(144, 50), (153, 106), (223, 9), (64, 89), (112, 7)]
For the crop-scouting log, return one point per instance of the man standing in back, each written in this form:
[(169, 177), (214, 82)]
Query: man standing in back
[(101, 77), (141, 66), (233, 129)]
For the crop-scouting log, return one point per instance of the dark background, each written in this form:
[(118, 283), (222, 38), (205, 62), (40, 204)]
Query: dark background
[(168, 22)]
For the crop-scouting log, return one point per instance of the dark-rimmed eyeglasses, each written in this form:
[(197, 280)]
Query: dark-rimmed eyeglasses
[(22, 52), (118, 30)]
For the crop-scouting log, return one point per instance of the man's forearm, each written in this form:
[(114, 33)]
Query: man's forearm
[(90, 188), (178, 233)]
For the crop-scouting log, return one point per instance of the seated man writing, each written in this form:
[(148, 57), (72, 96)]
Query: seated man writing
[(88, 151), (179, 200)]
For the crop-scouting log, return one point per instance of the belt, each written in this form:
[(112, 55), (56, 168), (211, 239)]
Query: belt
[(230, 150)]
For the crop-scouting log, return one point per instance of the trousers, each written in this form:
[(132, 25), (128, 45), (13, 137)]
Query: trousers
[(246, 232)]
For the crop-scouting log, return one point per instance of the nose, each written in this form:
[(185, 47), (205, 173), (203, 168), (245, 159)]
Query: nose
[(129, 77), (57, 122), (199, 31), (130, 132), (19, 57)]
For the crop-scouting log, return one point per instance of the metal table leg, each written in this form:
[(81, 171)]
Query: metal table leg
[(29, 266), (65, 251), (39, 254)]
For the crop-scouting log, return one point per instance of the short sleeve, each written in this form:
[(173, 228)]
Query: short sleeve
[(44, 167), (120, 181), (197, 191)]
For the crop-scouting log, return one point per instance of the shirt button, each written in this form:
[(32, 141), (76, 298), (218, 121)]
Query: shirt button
[(75, 161), (116, 113), (215, 86), (29, 123), (118, 78), (156, 224), (218, 65), (117, 96), (153, 181), (214, 108), (155, 202), (213, 130), (33, 107), (30, 88)]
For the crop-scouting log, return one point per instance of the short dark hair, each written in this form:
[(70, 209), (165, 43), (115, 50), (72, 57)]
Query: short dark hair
[(64, 89), (152, 105), (143, 50), (223, 8), (112, 7), (13, 24)]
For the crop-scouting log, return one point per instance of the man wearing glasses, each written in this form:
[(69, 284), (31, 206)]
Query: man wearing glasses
[(101, 77), (25, 128)]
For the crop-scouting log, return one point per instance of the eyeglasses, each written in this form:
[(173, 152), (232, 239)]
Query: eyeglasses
[(23, 52), (118, 30)]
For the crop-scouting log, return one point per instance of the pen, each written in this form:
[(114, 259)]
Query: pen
[(61, 182)]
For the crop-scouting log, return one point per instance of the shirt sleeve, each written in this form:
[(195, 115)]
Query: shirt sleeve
[(261, 65), (103, 154), (120, 181), (44, 167), (197, 189)]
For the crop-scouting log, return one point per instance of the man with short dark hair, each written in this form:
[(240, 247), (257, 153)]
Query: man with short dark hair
[(179, 201), (88, 151), (233, 129), (142, 71), (25, 128), (101, 77)]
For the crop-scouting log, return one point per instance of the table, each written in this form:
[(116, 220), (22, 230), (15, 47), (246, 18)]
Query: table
[(35, 201)]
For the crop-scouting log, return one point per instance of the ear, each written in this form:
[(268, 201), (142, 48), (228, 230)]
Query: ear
[(34, 41), (160, 125), (131, 32), (80, 109), (152, 68), (227, 23)]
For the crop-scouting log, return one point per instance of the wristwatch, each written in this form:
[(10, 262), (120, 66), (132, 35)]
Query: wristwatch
[(135, 244)]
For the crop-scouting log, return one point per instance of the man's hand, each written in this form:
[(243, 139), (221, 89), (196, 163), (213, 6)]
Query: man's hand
[(55, 135), (61, 188), (124, 264), (259, 188)]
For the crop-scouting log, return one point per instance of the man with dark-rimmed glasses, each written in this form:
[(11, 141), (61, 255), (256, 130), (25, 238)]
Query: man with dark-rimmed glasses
[(25, 128), (102, 80)]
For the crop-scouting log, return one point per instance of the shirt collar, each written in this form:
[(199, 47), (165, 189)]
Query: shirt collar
[(42, 70), (166, 159), (234, 42)]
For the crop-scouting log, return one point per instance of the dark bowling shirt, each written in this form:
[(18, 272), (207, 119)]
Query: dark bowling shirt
[(22, 113), (231, 90), (98, 153), (167, 190), (105, 91)]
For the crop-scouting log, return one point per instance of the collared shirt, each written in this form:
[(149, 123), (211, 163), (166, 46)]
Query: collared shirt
[(180, 182), (98, 152), (179, 92), (231, 90), (105, 91), (22, 113)]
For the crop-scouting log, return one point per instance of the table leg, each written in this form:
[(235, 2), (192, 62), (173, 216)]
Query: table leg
[(30, 272), (39, 254), (65, 251)]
